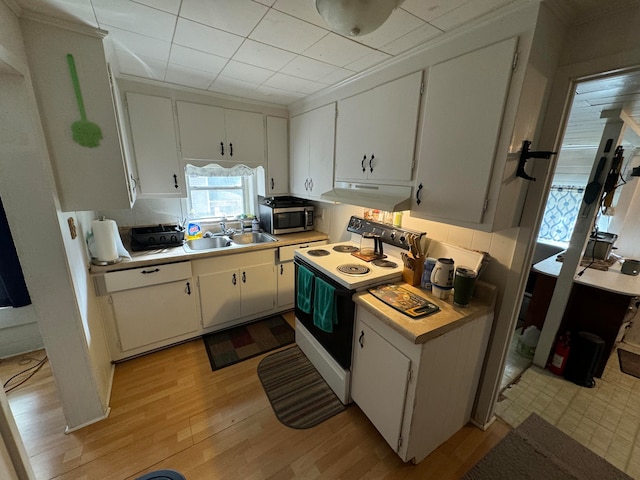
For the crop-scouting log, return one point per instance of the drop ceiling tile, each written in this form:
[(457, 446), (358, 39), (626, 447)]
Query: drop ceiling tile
[(286, 32), (232, 86), (305, 10), (206, 39), (246, 72), (368, 61), (134, 17), (337, 50), (466, 12), (336, 76), (139, 44), (293, 84), (188, 57), (427, 10), (398, 24), (169, 6), (262, 55), (140, 66), (308, 68), (235, 16), (281, 97), (189, 77), (412, 39)]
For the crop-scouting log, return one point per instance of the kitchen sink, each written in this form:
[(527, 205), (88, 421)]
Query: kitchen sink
[(251, 237), (208, 243)]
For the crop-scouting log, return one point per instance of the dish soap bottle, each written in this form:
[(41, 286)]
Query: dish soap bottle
[(194, 230)]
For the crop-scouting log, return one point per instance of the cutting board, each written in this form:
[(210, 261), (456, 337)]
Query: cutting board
[(404, 301)]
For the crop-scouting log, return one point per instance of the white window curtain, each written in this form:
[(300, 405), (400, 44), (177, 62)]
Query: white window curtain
[(215, 170)]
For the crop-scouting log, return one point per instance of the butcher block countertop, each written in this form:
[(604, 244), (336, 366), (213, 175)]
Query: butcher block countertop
[(179, 254), (423, 329)]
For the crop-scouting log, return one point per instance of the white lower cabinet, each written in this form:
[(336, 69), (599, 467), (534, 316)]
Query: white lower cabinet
[(149, 307), (416, 395), (234, 287), (380, 386)]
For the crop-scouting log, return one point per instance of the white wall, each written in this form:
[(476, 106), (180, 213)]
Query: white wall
[(31, 203)]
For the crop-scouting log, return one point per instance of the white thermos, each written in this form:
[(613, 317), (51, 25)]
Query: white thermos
[(442, 274), (105, 233)]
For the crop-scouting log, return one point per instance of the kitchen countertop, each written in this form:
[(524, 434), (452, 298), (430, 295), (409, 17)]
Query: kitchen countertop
[(423, 329), (612, 280), (177, 254)]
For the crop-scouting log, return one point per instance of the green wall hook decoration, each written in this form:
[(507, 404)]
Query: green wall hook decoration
[(84, 132)]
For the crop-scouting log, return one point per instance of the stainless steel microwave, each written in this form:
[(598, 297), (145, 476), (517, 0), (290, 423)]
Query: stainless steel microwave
[(280, 215)]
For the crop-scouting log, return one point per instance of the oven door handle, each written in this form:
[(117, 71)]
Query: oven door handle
[(361, 339)]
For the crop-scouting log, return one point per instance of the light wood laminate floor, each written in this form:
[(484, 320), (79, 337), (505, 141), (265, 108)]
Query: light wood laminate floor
[(169, 410)]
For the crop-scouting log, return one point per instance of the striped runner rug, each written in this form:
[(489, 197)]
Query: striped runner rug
[(299, 396)]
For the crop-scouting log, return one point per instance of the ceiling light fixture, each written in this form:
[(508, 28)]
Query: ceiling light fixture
[(356, 17)]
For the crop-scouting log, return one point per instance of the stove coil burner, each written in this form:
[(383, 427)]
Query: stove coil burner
[(346, 248), (353, 269), (384, 263), (318, 252)]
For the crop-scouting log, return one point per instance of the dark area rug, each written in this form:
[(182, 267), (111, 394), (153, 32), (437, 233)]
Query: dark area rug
[(299, 396), (537, 450), (246, 341), (629, 362)]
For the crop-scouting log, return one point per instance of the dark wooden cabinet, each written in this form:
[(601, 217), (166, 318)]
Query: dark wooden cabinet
[(589, 309)]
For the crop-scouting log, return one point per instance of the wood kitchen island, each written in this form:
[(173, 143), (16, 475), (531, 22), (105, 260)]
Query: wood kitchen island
[(601, 302)]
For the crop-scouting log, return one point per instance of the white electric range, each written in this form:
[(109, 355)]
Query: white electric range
[(340, 265)]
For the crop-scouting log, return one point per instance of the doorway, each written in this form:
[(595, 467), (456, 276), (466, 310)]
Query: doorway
[(574, 165)]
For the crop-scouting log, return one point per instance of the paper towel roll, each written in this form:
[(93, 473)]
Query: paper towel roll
[(105, 233)]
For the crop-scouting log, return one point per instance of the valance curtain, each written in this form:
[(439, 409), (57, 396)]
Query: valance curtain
[(13, 289), (214, 170)]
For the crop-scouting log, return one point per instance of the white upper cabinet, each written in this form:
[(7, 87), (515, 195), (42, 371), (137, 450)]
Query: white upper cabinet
[(376, 132), (215, 133), (79, 121), (153, 136), (311, 154), (459, 177), (276, 181)]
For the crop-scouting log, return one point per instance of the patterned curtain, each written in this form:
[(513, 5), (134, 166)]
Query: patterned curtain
[(561, 212)]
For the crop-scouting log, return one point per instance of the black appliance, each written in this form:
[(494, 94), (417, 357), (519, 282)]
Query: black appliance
[(339, 343), (156, 237), (279, 215), (586, 351)]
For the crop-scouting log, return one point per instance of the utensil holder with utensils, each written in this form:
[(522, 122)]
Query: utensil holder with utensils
[(413, 267)]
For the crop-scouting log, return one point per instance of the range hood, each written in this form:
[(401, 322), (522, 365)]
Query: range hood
[(391, 198)]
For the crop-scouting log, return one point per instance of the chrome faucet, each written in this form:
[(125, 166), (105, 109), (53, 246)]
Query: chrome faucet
[(223, 229)]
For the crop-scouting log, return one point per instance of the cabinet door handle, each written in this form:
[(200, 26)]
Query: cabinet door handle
[(188, 289), (281, 270), (306, 184), (146, 272), (221, 148), (273, 184), (175, 180), (244, 277), (233, 279), (418, 201), (370, 164), (361, 339), (311, 184), (231, 149), (364, 159)]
